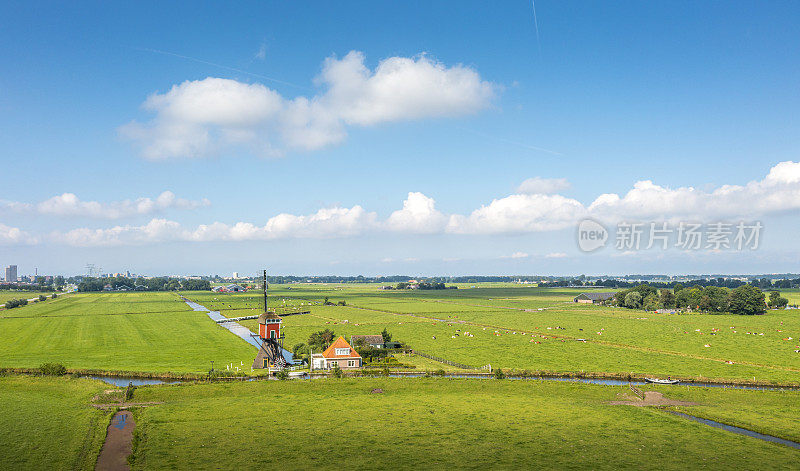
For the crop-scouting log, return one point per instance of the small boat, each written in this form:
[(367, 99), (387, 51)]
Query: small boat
[(662, 381), (297, 374)]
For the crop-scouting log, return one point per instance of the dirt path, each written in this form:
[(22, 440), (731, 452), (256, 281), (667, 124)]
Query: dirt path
[(117, 447)]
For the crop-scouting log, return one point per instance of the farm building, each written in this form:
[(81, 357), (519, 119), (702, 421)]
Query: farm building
[(375, 341), (593, 298), (339, 353), (232, 288)]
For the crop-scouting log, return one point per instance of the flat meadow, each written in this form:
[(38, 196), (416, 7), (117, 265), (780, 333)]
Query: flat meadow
[(399, 423), (49, 423), (388, 423), (123, 332), (513, 327), (540, 329)]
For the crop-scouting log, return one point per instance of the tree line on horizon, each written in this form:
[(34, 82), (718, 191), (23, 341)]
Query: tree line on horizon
[(745, 299)]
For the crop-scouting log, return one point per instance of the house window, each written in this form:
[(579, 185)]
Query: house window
[(272, 334), (332, 364), (351, 363), (342, 351)]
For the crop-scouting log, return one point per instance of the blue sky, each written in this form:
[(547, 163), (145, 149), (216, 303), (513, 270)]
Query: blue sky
[(458, 103)]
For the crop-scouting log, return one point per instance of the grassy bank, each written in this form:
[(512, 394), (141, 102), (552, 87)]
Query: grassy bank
[(47, 423), (436, 423)]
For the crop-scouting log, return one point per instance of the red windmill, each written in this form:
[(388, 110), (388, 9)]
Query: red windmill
[(269, 331)]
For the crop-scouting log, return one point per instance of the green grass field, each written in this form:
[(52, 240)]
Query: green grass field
[(536, 329), (503, 325), (447, 423), (135, 332), (416, 422), (48, 423)]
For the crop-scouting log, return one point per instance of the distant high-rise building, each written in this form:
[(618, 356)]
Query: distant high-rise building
[(11, 274), (236, 274)]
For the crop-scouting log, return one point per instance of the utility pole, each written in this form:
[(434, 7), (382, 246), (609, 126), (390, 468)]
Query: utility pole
[(265, 290)]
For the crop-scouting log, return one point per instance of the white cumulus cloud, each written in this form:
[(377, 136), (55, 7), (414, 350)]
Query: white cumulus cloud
[(543, 186), (519, 214), (15, 236), (419, 215), (204, 117), (777, 192), (68, 204)]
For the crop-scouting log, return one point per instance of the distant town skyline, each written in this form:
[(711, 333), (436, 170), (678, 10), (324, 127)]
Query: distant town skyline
[(386, 138)]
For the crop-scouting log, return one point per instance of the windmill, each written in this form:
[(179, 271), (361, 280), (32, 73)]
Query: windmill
[(269, 331)]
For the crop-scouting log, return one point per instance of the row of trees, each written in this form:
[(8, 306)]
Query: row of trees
[(763, 283), (745, 299), (424, 285), (144, 284)]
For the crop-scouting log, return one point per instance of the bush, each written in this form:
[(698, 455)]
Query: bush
[(12, 303), (282, 375), (129, 391), (498, 374), (54, 296), (385, 371), (337, 372), (53, 369), (439, 372), (42, 297)]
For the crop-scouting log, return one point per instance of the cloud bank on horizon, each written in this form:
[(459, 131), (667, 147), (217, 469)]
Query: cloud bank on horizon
[(207, 117), (69, 205), (534, 208)]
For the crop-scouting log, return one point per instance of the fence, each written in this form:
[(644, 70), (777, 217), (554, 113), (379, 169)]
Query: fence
[(448, 362), (638, 392)]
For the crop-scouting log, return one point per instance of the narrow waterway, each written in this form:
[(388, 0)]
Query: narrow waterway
[(118, 444), (122, 381), (237, 329), (739, 430)]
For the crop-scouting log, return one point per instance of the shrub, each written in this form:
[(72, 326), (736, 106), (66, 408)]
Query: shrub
[(12, 303), (42, 297), (439, 372), (337, 372), (282, 375), (53, 369), (498, 374), (385, 371), (129, 391)]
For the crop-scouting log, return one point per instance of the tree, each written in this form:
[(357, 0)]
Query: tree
[(651, 302), (747, 300), (633, 300), (677, 287), (715, 299), (667, 299), (196, 285), (321, 340), (387, 337), (776, 301)]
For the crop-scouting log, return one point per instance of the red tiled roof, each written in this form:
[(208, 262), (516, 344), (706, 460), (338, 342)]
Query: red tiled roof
[(330, 352)]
